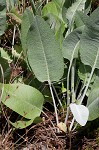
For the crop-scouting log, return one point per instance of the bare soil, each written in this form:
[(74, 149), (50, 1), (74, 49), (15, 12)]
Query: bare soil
[(43, 136)]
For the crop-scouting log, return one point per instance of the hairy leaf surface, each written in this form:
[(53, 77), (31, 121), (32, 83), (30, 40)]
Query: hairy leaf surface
[(44, 53), (93, 104), (23, 99), (89, 51)]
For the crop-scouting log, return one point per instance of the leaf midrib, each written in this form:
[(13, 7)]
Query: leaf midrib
[(46, 63)]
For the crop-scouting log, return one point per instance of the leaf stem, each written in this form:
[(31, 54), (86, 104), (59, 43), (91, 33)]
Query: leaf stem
[(91, 74), (69, 69), (1, 90), (55, 107), (57, 97), (73, 80)]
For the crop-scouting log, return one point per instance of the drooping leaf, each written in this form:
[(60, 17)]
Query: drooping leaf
[(26, 22), (76, 6), (71, 43), (66, 6), (44, 53), (50, 8), (93, 104), (59, 4), (2, 16), (80, 19), (80, 113), (89, 50), (23, 99)]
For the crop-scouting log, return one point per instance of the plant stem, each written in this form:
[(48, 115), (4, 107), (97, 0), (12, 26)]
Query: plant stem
[(71, 125), (13, 53), (72, 81), (57, 97), (55, 107), (1, 90), (91, 74), (69, 69)]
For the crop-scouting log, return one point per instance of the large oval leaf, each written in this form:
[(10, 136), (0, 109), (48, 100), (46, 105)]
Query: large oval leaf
[(70, 44), (2, 16), (89, 51), (23, 99), (44, 54), (80, 113), (93, 104)]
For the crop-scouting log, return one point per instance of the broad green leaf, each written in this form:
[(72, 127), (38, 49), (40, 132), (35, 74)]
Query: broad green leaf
[(50, 8), (53, 12), (23, 123), (67, 4), (96, 81), (26, 22), (76, 6), (71, 44), (2, 16), (44, 53), (80, 18), (80, 113), (60, 28), (59, 4), (89, 50), (23, 99), (84, 73), (93, 104)]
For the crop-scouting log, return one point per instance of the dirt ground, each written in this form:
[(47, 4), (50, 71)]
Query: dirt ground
[(43, 136)]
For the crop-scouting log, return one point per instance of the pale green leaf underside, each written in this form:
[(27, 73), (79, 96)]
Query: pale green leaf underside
[(80, 113), (2, 16), (44, 54), (90, 41), (93, 104), (23, 99)]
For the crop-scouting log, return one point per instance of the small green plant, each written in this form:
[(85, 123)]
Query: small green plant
[(58, 40)]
